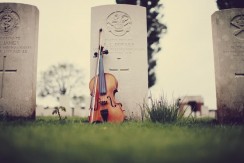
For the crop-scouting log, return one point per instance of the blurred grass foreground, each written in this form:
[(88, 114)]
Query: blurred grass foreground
[(49, 140)]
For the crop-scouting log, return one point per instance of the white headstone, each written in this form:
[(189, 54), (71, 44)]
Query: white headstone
[(125, 37), (18, 60), (228, 43)]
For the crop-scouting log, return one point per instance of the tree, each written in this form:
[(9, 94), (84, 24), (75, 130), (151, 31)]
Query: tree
[(155, 29), (61, 79), (227, 4)]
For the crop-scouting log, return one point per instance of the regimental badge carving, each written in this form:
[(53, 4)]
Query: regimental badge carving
[(119, 23), (238, 23), (9, 21)]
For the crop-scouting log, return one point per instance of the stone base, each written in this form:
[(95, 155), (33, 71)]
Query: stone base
[(13, 118), (230, 116)]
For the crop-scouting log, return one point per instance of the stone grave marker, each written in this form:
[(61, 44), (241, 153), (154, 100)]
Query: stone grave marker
[(125, 37), (18, 60), (191, 105), (228, 45)]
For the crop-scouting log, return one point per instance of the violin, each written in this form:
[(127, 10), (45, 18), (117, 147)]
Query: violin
[(103, 86)]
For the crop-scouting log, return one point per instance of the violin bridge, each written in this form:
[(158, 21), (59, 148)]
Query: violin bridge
[(103, 102)]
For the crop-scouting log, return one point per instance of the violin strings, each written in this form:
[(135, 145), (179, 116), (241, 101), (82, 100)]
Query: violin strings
[(102, 82)]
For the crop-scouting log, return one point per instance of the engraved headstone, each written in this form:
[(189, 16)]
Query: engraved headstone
[(125, 37), (228, 44), (18, 60)]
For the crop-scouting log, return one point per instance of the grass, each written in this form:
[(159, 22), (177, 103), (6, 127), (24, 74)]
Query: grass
[(50, 140), (162, 111)]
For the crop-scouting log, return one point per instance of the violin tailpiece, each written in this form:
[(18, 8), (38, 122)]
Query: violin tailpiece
[(104, 114)]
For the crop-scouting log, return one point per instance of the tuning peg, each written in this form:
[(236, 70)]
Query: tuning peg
[(105, 52), (95, 55)]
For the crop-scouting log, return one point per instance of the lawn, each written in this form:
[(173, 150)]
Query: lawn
[(49, 140)]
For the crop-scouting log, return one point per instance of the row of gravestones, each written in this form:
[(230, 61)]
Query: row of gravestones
[(124, 35)]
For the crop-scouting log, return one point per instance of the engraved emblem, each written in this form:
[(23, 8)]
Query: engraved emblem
[(238, 23), (9, 21), (119, 23)]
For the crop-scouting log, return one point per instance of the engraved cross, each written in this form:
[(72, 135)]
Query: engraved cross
[(238, 75), (240, 72), (3, 71)]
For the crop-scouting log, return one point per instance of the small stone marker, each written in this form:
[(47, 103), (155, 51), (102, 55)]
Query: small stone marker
[(228, 43), (194, 103), (18, 60), (125, 37)]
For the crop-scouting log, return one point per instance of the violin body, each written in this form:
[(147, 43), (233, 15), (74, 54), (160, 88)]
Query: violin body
[(106, 108)]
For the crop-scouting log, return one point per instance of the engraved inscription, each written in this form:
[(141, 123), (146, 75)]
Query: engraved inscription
[(236, 49), (120, 46), (12, 45), (119, 23), (9, 21), (119, 69), (234, 56), (116, 69), (238, 23)]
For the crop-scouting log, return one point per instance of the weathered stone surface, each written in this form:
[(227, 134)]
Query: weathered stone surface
[(125, 37), (228, 42), (18, 60)]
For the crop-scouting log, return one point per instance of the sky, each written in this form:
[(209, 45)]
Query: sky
[(185, 65)]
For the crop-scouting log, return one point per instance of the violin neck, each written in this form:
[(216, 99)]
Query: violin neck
[(102, 81)]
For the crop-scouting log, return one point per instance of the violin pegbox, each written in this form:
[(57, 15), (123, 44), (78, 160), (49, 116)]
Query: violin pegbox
[(95, 55), (105, 52)]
